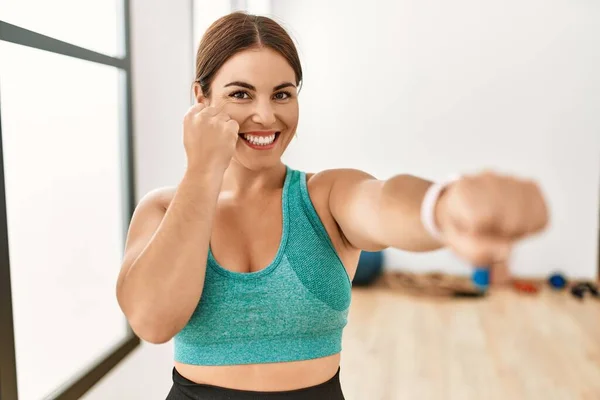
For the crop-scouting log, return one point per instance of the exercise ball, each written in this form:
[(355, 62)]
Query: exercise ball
[(370, 267)]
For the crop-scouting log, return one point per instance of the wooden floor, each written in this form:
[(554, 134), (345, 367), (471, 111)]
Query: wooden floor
[(505, 346)]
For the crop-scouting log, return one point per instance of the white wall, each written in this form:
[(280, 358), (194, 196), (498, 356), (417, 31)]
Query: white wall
[(435, 87), (205, 13), (162, 76)]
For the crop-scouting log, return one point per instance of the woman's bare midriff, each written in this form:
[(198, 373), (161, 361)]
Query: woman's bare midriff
[(264, 377)]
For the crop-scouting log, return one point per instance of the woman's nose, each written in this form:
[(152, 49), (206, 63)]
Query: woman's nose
[(264, 114)]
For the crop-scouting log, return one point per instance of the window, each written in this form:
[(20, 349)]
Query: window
[(66, 194)]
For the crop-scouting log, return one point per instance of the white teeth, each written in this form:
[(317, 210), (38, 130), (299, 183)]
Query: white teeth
[(260, 140)]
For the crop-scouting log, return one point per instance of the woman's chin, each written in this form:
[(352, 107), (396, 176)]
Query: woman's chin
[(257, 163), (260, 158)]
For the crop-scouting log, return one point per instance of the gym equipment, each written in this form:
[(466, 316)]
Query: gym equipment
[(593, 289), (480, 282), (467, 293), (433, 284), (579, 290), (557, 281), (370, 267), (525, 287), (481, 278)]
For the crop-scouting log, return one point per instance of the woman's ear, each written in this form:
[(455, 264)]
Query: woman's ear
[(198, 95)]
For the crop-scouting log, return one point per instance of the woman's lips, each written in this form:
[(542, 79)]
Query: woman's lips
[(260, 140)]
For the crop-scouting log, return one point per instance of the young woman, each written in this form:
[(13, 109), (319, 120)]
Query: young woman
[(247, 264)]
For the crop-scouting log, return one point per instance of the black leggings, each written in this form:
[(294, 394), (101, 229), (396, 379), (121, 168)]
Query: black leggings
[(184, 389)]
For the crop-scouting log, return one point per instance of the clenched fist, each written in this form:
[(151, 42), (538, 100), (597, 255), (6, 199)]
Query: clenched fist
[(481, 216), (209, 137)]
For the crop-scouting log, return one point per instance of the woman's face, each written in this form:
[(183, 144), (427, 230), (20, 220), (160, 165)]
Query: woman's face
[(257, 88)]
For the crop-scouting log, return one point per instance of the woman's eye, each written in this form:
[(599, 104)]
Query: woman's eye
[(282, 96), (240, 95)]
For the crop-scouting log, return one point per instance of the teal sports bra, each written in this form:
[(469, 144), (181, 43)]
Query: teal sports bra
[(294, 309)]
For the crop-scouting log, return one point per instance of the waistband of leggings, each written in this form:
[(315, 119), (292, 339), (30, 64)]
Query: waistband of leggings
[(183, 381)]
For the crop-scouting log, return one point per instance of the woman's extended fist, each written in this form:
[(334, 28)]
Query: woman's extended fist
[(481, 216)]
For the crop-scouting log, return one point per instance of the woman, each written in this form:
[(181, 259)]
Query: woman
[(247, 264)]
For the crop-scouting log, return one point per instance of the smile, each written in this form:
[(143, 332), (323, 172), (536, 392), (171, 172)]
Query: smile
[(260, 140)]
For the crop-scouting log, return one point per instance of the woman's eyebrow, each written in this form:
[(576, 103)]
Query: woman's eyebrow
[(250, 87), (284, 85), (242, 84)]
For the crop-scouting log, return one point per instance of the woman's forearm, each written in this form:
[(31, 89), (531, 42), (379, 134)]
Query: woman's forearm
[(399, 215)]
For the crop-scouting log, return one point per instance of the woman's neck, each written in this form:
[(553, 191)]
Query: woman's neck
[(240, 181)]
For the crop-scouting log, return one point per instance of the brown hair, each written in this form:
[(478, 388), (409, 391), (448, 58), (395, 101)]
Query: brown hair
[(236, 32)]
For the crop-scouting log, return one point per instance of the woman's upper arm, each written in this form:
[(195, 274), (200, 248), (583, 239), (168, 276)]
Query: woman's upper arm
[(354, 198), (145, 220)]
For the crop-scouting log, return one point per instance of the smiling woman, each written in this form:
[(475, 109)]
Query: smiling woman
[(249, 67), (264, 103), (247, 264)]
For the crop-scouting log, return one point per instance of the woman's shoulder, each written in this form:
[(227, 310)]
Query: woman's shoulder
[(324, 180), (159, 197)]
